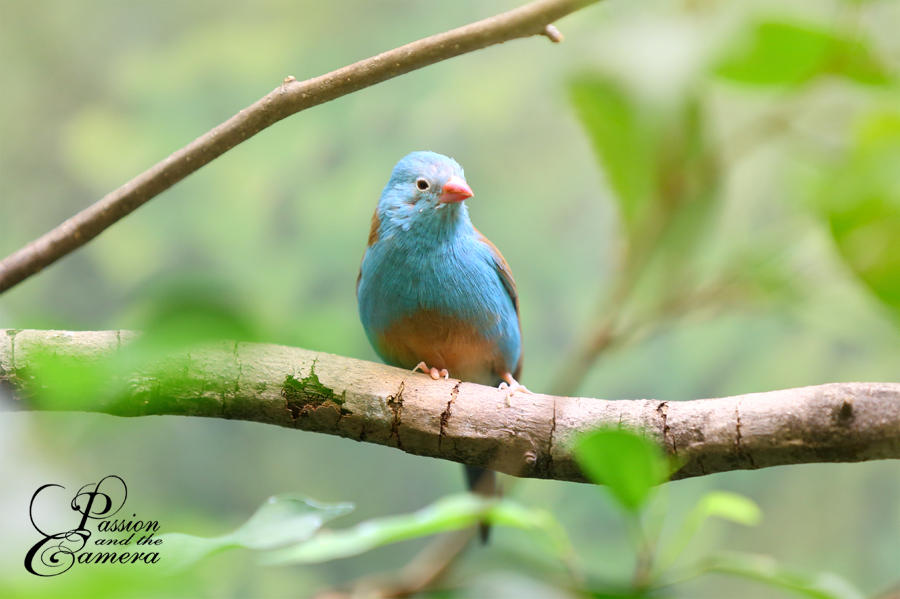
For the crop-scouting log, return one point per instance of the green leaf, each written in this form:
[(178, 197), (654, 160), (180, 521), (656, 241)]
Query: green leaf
[(658, 164), (728, 506), (281, 520), (787, 53), (860, 201), (622, 137), (765, 569), (627, 463), (450, 513), (719, 504)]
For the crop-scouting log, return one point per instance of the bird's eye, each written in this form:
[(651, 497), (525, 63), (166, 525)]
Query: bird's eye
[(422, 184)]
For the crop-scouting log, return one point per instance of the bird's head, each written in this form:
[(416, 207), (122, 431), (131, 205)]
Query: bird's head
[(426, 190)]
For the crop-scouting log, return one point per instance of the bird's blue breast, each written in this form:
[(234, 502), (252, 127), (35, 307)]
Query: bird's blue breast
[(452, 273)]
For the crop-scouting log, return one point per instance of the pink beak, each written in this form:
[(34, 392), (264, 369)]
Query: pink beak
[(455, 190)]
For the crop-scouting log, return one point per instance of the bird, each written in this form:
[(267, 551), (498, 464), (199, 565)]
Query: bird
[(434, 294)]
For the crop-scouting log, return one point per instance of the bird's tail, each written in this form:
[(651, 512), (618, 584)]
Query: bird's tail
[(483, 482)]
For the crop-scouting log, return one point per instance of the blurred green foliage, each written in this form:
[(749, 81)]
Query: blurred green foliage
[(860, 201), (741, 237), (629, 465), (793, 53), (449, 513), (281, 520)]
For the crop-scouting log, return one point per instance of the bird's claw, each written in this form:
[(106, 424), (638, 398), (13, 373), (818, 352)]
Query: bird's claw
[(436, 374), (512, 386)]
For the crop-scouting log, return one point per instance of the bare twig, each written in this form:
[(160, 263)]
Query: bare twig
[(290, 97), (891, 593), (423, 572), (528, 436), (609, 331)]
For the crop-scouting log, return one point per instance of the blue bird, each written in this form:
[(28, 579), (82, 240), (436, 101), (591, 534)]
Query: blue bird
[(434, 293)]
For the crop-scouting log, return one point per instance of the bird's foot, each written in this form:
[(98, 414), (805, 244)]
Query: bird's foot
[(434, 372), (511, 386)]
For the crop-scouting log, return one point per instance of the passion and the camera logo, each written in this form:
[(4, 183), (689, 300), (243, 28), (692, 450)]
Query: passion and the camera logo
[(97, 537)]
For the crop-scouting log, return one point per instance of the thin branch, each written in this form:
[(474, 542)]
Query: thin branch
[(422, 573), (604, 335), (291, 97), (525, 435)]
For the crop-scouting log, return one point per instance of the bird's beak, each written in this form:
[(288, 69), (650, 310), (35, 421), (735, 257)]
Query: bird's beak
[(455, 190)]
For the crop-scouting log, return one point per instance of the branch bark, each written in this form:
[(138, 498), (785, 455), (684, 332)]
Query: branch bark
[(291, 97), (527, 436)]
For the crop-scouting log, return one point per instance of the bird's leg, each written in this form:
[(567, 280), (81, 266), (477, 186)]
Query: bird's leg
[(434, 372), (511, 385)]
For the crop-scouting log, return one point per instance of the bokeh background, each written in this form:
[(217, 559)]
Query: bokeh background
[(756, 283)]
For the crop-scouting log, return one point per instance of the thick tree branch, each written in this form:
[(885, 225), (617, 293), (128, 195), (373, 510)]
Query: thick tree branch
[(528, 435), (292, 96)]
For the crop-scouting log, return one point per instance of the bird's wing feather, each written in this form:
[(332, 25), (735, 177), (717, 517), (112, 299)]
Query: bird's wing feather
[(373, 237), (509, 284), (502, 269)]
